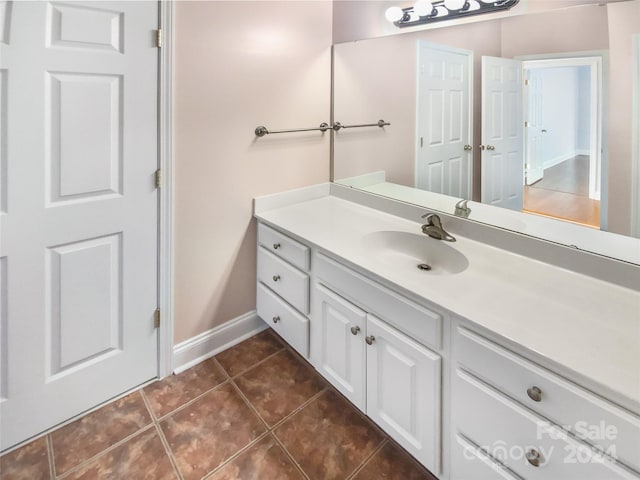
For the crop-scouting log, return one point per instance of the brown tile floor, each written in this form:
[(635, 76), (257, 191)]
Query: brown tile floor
[(256, 411)]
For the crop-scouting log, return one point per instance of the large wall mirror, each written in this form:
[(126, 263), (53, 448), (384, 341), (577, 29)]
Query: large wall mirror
[(531, 118)]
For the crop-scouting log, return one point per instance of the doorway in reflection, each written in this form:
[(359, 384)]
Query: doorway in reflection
[(562, 136)]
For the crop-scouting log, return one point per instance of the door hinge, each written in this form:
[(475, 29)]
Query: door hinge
[(421, 142), (526, 124), (526, 82), (159, 38), (156, 318), (158, 178)]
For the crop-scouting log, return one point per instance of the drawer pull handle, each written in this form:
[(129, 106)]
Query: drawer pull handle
[(276, 278), (370, 339), (276, 319), (534, 393), (533, 457), (276, 246), (355, 330)]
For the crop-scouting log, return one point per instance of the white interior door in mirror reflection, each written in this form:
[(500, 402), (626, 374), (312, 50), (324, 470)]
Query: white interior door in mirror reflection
[(502, 125), (443, 138), (534, 127)]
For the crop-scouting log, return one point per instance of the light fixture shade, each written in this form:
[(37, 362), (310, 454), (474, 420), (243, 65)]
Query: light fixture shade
[(423, 8), (430, 11), (454, 4), (393, 14)]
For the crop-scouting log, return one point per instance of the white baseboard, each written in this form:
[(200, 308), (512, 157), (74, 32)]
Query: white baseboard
[(197, 349)]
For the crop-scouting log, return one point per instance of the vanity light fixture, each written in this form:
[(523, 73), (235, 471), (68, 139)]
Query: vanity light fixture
[(424, 11)]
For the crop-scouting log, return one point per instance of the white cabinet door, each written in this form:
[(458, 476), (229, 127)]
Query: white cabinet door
[(337, 344), (403, 391)]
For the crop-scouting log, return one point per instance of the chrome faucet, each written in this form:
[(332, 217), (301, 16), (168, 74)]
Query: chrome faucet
[(462, 209), (433, 228)]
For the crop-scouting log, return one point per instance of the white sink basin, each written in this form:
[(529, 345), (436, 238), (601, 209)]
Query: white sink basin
[(414, 251)]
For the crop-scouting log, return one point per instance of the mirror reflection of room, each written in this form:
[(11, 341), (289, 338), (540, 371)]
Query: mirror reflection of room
[(561, 171), (525, 113)]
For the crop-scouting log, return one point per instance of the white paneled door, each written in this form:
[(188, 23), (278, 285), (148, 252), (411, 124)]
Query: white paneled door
[(534, 128), (444, 155), (502, 139), (79, 208)]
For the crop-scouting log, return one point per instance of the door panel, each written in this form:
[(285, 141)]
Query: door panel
[(444, 92), (502, 139), (79, 228), (534, 131), (337, 351), (403, 391)]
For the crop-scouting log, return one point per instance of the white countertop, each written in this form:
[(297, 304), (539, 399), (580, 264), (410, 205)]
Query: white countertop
[(584, 324)]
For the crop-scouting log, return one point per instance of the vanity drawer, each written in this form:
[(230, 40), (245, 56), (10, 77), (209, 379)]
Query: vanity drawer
[(288, 323), (588, 416), (469, 462), (508, 432), (421, 324), (287, 281), (292, 251)]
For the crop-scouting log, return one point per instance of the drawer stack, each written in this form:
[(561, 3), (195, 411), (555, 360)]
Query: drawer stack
[(535, 423), (283, 286)]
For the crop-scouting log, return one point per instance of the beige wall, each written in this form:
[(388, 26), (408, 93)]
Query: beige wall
[(239, 65), (570, 30)]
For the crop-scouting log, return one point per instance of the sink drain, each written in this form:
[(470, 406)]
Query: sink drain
[(424, 267)]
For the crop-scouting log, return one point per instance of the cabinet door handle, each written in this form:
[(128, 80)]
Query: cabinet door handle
[(533, 457), (355, 330), (534, 393), (276, 246), (276, 278), (370, 339), (276, 319)]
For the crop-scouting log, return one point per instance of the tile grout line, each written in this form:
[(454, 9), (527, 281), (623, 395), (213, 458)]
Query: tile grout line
[(270, 430), (162, 438), (250, 405), (226, 374), (288, 454), (259, 362), (291, 415), (227, 379), (235, 455), (366, 461), (109, 449), (52, 464), (301, 407), (193, 400)]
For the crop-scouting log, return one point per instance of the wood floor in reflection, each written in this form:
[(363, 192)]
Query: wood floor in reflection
[(564, 193)]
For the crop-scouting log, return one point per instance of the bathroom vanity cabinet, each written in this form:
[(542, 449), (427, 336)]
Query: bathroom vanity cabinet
[(391, 377), (465, 401)]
